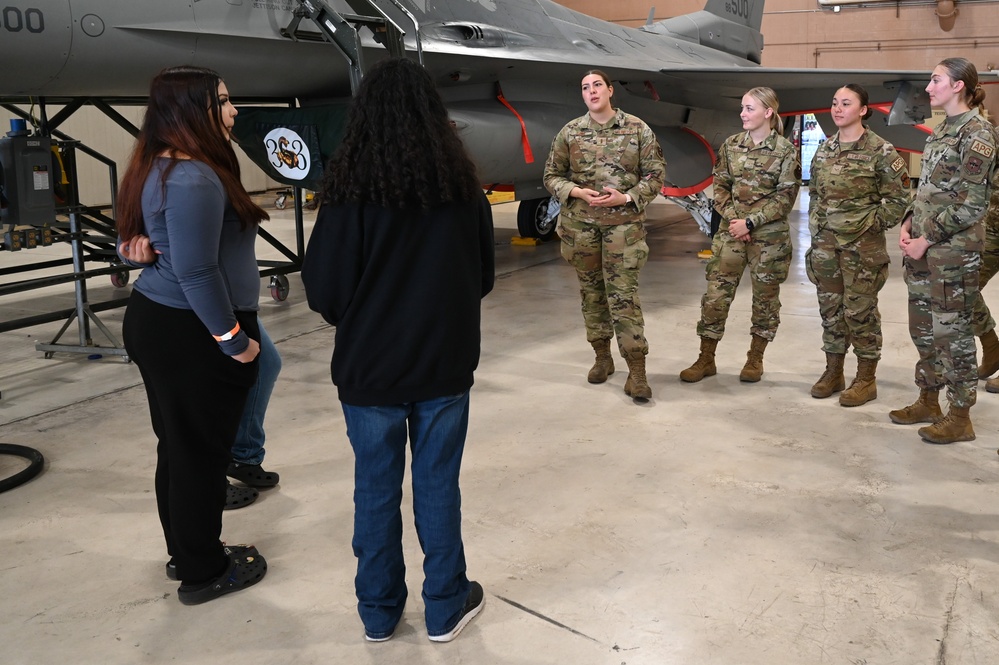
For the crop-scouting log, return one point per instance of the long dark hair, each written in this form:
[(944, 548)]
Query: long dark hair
[(183, 118), (400, 149)]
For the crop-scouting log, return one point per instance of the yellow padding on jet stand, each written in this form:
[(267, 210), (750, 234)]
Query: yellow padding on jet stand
[(525, 242), (500, 197)]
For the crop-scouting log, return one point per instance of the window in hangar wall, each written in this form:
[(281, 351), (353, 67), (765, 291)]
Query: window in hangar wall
[(808, 136)]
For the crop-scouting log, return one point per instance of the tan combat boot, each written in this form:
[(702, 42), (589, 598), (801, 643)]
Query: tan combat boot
[(992, 385), (926, 409), (705, 363), (752, 371), (955, 426), (637, 385), (603, 366), (990, 355), (864, 388), (832, 380)]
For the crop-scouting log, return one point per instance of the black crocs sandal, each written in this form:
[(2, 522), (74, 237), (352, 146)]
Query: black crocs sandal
[(246, 550), (239, 497), (253, 475), (244, 570)]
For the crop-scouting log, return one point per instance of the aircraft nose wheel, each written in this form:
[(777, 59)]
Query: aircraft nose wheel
[(35, 464), (280, 287), (536, 219)]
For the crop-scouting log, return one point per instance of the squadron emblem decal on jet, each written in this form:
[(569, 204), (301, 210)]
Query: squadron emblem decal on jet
[(288, 153)]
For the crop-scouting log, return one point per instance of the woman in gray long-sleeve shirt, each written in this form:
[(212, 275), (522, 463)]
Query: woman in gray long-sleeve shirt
[(191, 324)]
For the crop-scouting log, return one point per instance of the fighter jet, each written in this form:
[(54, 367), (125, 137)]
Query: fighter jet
[(509, 71)]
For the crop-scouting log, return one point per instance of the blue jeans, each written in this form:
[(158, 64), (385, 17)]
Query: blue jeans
[(436, 430), (249, 445)]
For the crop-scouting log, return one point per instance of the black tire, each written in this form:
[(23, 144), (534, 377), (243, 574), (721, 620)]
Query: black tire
[(531, 222), (35, 465), (119, 279), (280, 286)]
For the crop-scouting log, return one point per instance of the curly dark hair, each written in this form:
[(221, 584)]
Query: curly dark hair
[(183, 117), (400, 149)]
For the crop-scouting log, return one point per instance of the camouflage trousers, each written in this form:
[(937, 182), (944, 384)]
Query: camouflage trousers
[(943, 290), (982, 320), (848, 279), (607, 259), (769, 259)]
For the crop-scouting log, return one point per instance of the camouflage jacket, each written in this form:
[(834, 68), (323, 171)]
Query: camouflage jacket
[(757, 182), (623, 154), (953, 193), (992, 214), (857, 186)]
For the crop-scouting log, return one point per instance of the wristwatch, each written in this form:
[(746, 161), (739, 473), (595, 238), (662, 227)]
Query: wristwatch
[(749, 225)]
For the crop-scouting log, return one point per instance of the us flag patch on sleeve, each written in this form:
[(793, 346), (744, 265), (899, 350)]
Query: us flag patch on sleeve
[(983, 149)]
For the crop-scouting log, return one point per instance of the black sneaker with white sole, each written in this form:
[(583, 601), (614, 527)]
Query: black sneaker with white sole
[(473, 605)]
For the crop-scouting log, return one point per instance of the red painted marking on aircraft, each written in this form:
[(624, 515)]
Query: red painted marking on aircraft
[(701, 186), (528, 153), (703, 141), (885, 108), (790, 114), (687, 191)]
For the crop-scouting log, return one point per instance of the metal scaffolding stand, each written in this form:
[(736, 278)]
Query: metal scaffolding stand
[(83, 314)]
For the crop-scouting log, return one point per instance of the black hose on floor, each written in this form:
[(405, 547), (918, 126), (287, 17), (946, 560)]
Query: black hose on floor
[(36, 463)]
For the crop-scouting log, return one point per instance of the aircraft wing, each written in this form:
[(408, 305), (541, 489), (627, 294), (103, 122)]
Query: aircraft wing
[(509, 70), (691, 109)]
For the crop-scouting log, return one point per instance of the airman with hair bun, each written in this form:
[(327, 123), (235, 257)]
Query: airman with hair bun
[(859, 187), (942, 239)]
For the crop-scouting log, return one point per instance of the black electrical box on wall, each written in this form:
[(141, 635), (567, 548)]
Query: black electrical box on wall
[(26, 179)]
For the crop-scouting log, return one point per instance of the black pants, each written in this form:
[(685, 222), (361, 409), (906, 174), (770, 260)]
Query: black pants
[(196, 397)]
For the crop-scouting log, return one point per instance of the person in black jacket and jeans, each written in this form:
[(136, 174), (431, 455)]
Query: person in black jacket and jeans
[(399, 259)]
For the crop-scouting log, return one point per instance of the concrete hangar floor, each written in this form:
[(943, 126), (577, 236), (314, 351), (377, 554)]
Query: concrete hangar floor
[(720, 524)]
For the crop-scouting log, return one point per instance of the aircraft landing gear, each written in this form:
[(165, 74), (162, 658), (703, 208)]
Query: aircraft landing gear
[(537, 218), (700, 208)]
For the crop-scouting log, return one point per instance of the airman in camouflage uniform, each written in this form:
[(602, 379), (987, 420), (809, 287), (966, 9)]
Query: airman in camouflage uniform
[(857, 191), (606, 245), (983, 324), (947, 211), (758, 183)]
